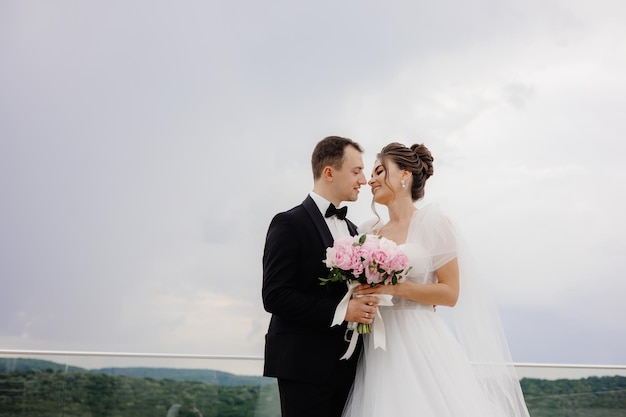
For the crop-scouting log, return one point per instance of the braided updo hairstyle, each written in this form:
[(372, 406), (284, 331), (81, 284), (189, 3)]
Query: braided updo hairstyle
[(417, 159)]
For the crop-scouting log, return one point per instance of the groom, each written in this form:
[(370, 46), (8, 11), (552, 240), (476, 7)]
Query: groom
[(302, 350)]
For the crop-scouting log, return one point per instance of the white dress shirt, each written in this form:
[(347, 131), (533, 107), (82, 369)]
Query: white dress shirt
[(338, 228)]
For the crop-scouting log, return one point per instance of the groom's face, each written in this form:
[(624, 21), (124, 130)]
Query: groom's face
[(348, 179)]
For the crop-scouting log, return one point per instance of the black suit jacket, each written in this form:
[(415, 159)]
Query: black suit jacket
[(300, 345)]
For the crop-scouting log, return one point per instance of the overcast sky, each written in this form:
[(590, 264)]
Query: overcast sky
[(146, 145)]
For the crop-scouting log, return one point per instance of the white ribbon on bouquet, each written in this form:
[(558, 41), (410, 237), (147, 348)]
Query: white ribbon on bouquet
[(378, 326)]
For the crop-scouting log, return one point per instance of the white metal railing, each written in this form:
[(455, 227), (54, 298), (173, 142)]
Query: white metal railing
[(524, 369)]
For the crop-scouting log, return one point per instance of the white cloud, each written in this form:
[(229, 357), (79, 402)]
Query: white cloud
[(146, 148)]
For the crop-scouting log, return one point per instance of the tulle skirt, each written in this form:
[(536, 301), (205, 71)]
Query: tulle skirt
[(423, 371)]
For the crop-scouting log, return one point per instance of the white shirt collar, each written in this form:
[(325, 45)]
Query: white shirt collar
[(338, 228), (321, 202)]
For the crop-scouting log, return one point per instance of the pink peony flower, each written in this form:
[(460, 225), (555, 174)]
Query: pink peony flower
[(366, 258)]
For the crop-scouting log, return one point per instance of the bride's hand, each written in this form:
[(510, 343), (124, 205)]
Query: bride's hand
[(366, 289)]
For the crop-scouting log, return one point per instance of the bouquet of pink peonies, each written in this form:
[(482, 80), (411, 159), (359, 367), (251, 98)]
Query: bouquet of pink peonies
[(366, 259)]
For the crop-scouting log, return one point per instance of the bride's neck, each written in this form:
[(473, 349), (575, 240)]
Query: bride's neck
[(401, 210)]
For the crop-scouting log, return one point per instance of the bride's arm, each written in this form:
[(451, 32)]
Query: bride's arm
[(445, 292)]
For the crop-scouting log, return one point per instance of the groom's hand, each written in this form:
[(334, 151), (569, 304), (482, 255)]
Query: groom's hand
[(362, 309)]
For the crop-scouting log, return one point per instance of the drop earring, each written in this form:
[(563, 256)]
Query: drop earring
[(403, 183)]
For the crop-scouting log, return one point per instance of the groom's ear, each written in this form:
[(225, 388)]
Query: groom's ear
[(327, 173)]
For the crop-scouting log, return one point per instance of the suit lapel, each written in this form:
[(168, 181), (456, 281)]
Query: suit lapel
[(351, 228), (318, 221)]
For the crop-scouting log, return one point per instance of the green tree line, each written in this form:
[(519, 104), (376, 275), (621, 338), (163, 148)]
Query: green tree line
[(40, 388), (586, 397), (36, 393)]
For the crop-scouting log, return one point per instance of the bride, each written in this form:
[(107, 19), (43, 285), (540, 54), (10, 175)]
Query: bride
[(426, 370)]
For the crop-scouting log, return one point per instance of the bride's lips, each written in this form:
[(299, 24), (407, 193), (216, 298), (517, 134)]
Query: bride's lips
[(374, 189)]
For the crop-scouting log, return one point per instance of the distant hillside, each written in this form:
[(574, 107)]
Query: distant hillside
[(202, 375), (45, 392), (586, 397), (23, 364), (207, 376)]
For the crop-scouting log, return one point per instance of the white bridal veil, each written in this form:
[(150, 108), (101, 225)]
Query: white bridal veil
[(475, 317)]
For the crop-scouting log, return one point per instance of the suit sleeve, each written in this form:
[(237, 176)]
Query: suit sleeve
[(288, 291)]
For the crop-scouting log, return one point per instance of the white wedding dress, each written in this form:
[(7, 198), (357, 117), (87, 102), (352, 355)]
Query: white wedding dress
[(425, 371)]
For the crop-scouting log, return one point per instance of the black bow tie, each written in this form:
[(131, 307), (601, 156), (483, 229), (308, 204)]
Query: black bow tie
[(334, 211)]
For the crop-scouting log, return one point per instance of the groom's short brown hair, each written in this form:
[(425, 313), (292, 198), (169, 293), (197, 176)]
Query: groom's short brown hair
[(329, 152)]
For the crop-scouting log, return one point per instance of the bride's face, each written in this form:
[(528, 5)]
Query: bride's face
[(385, 183)]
